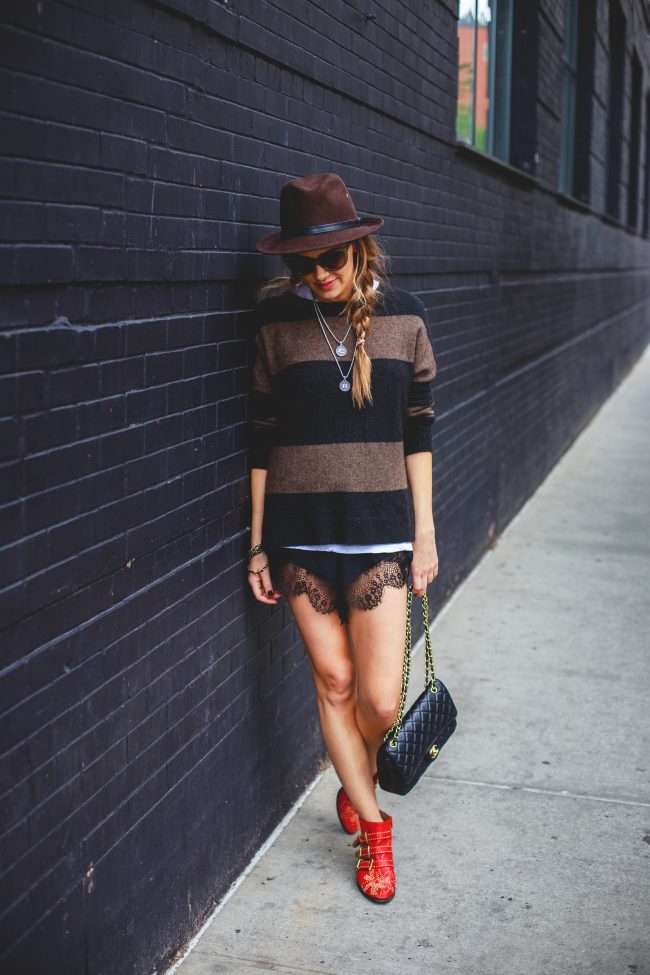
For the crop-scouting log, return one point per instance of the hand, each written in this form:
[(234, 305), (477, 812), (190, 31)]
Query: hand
[(261, 584), (424, 567)]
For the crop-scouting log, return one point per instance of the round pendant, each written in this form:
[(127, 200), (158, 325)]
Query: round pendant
[(341, 349), (344, 385)]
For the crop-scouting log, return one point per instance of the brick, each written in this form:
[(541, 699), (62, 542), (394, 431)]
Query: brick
[(68, 184), (70, 144), (129, 155)]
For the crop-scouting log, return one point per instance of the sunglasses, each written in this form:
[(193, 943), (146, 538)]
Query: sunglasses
[(332, 260)]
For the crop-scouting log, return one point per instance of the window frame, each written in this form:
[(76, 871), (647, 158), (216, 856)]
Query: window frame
[(497, 132), (568, 97)]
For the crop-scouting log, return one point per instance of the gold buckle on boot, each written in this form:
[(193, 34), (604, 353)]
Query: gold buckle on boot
[(360, 842)]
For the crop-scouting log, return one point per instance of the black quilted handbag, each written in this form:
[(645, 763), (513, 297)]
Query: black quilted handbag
[(415, 739)]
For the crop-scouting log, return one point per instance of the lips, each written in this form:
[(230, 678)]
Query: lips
[(326, 284)]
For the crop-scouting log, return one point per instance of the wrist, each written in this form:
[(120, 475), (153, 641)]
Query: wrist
[(255, 549)]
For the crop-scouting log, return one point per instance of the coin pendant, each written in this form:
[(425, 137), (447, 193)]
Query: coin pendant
[(341, 350), (344, 385)]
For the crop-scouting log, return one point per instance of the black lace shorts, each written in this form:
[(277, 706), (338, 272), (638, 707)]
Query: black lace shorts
[(337, 580)]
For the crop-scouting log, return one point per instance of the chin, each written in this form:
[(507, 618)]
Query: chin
[(332, 293)]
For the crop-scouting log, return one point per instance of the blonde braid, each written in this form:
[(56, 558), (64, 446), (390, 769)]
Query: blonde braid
[(371, 264), (362, 370)]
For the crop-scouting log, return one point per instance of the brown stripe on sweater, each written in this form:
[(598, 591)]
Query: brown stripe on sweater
[(337, 467), (260, 368), (424, 364), (390, 337), (260, 379)]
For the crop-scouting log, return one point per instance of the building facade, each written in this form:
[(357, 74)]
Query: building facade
[(157, 723)]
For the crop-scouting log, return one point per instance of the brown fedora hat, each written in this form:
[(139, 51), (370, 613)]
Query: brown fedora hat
[(316, 211)]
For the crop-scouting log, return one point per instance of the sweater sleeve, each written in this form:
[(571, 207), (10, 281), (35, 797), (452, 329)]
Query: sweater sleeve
[(419, 413), (264, 414)]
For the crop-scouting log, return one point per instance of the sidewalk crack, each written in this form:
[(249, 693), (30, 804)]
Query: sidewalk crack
[(563, 793)]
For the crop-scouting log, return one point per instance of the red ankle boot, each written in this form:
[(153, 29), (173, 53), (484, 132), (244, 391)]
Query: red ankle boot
[(348, 816), (375, 871)]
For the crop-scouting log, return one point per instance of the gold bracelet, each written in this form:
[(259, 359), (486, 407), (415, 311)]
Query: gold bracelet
[(258, 572), (256, 550)]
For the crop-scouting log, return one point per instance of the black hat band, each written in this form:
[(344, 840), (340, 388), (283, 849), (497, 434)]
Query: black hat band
[(323, 228)]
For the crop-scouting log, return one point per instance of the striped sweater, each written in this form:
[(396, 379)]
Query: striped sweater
[(336, 473)]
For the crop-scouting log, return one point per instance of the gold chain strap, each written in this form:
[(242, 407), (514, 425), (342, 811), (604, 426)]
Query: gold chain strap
[(429, 675)]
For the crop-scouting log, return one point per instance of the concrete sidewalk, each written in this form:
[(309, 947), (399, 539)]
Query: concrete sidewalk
[(525, 849)]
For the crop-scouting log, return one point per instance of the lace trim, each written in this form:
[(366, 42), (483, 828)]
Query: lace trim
[(294, 580), (364, 592), (368, 588)]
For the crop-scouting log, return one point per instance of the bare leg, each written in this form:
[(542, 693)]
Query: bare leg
[(330, 656), (378, 639)]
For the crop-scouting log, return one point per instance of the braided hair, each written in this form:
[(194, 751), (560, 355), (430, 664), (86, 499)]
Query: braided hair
[(370, 264)]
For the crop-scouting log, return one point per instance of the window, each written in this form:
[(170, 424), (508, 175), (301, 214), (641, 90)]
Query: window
[(585, 60), (576, 98), (615, 90), (635, 143), (483, 111), (568, 96)]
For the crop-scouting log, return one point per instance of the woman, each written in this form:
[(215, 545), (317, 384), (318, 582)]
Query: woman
[(341, 481)]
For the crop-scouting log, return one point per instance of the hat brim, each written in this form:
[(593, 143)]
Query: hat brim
[(277, 244)]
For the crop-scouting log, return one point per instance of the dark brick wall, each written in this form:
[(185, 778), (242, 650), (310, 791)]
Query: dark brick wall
[(156, 723)]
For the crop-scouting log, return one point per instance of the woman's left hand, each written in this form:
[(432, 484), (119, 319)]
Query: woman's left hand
[(424, 567)]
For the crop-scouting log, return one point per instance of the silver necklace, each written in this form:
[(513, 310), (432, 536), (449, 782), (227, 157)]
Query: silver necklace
[(341, 349), (344, 384)]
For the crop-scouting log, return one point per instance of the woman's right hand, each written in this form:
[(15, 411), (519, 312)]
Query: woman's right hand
[(261, 584)]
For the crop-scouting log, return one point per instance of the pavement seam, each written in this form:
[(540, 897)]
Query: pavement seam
[(563, 793), (266, 964)]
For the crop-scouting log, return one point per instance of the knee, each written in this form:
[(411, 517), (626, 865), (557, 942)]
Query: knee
[(336, 688), (379, 709)]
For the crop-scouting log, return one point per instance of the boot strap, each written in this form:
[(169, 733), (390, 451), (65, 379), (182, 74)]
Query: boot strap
[(369, 857)]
